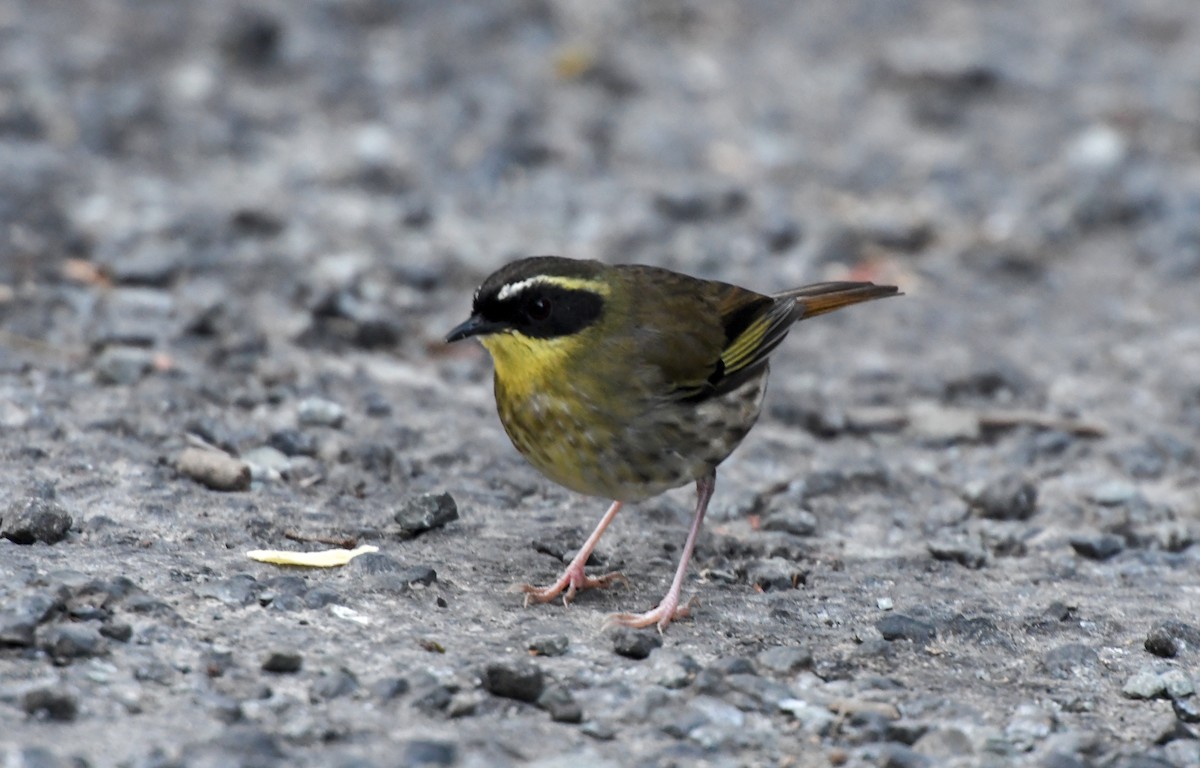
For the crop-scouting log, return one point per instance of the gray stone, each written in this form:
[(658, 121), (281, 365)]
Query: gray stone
[(1170, 638), (51, 703), (68, 642), (1070, 660), (1007, 498), (560, 704), (963, 549), (123, 365), (332, 684), (785, 659), (1144, 685), (35, 519), (671, 668), (418, 514), (633, 644), (897, 626), (1098, 547), (774, 574), (798, 522), (319, 412), (1179, 684), (814, 719), (520, 679), (550, 645)]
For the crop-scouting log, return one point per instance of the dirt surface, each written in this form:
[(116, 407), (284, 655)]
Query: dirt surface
[(963, 533)]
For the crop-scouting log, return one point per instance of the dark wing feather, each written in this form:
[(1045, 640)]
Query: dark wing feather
[(755, 325)]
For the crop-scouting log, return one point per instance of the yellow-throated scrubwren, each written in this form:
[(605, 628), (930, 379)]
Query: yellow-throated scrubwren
[(624, 381)]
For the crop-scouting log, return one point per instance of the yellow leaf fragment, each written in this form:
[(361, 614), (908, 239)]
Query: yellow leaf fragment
[(326, 558)]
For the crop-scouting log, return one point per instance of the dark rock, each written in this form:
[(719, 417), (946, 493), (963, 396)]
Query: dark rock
[(751, 692), (734, 665), (283, 662), (333, 684), (635, 645), (433, 699), (979, 630), (423, 752), (72, 641), (252, 39), (419, 574), (120, 365), (1070, 660), (120, 632), (551, 645), (35, 519), (781, 234), (422, 513), (521, 680), (51, 703), (785, 659), (1187, 709), (560, 704), (19, 621), (1007, 498), (319, 597), (293, 442), (897, 626), (1170, 638), (1098, 547)]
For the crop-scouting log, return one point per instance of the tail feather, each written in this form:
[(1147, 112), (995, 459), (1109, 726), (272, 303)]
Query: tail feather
[(819, 298)]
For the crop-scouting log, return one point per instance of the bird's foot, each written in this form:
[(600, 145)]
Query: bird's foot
[(573, 580), (666, 612)]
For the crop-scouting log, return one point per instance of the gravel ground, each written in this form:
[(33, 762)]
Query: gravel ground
[(964, 532)]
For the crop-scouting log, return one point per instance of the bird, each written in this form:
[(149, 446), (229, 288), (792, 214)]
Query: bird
[(624, 381)]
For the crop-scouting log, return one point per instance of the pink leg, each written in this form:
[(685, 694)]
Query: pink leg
[(573, 578), (670, 609)]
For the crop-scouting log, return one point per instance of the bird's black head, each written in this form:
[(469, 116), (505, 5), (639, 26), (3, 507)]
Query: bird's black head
[(542, 297)]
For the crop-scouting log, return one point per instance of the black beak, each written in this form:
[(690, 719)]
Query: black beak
[(474, 326)]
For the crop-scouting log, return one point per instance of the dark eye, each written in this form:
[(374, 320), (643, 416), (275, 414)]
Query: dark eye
[(538, 308)]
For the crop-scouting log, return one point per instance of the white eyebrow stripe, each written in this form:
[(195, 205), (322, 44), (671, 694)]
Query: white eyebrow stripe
[(512, 289)]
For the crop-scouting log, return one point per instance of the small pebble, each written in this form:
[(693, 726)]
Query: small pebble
[(283, 662), (35, 519), (418, 514), (1008, 498), (1070, 660), (1098, 547), (560, 704), (965, 550), (332, 685), (1179, 684), (421, 753), (671, 668), (521, 680), (51, 703), (319, 412), (390, 688), (635, 645), (1169, 638), (67, 642), (774, 574), (1113, 493), (123, 365), (1144, 685), (214, 469), (785, 659), (884, 603), (798, 522), (897, 626), (293, 442), (551, 645)]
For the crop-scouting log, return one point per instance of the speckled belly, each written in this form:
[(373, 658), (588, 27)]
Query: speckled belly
[(633, 454)]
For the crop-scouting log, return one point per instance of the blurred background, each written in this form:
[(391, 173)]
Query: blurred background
[(213, 212)]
